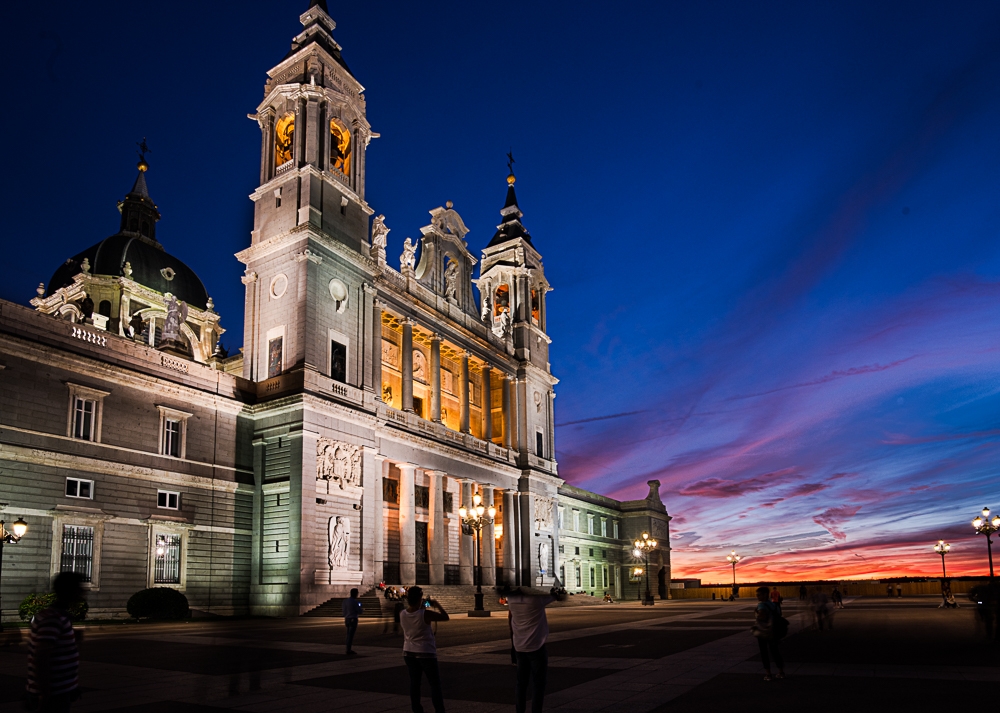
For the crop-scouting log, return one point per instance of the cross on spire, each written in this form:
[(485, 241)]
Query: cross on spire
[(510, 161)]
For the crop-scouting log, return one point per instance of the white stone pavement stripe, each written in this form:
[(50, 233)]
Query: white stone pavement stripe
[(946, 673)]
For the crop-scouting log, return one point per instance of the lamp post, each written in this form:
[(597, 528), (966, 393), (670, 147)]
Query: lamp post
[(643, 546), (474, 520), (9, 538), (733, 558), (942, 548), (984, 526)]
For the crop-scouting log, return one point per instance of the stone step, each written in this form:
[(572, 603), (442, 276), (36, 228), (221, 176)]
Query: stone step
[(371, 604)]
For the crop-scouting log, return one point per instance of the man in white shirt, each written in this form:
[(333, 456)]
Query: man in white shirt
[(529, 630)]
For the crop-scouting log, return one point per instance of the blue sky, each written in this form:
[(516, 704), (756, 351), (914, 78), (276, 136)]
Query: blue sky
[(772, 228)]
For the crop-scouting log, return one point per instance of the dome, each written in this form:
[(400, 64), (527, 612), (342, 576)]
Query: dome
[(152, 267)]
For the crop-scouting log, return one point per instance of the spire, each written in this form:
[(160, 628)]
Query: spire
[(510, 227), (139, 213)]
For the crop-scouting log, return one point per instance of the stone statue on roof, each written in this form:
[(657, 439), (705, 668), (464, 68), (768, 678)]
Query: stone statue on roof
[(451, 280), (409, 257), (379, 232), (177, 313)]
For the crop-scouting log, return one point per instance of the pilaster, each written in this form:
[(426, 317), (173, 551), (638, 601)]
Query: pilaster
[(407, 524), (489, 542), (466, 543), (407, 359), (437, 535)]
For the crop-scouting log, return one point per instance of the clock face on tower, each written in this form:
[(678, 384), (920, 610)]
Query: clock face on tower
[(284, 135), (340, 147)]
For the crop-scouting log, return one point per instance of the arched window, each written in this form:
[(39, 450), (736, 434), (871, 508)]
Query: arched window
[(104, 308), (340, 147), (534, 306), (284, 137), (501, 300)]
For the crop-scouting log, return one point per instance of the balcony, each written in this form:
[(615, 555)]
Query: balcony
[(439, 432)]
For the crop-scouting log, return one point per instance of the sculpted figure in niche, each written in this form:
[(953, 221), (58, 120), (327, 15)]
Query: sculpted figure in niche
[(409, 257), (543, 557), (485, 314), (419, 366), (177, 312), (451, 280), (340, 541), (501, 327), (339, 462), (379, 232)]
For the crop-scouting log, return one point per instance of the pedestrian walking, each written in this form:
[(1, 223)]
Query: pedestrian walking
[(888, 591), (776, 598), (899, 591), (420, 647), (769, 628), (529, 630), (802, 593), (837, 597), (53, 651), (352, 610)]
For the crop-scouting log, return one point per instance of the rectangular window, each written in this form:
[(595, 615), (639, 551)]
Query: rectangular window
[(579, 577), (168, 499), (421, 496), (390, 490), (604, 527), (576, 521), (562, 574), (593, 578), (84, 415), (591, 551), (172, 437), (604, 577), (338, 361), (539, 450), (449, 501), (561, 517), (562, 549), (77, 488), (167, 559), (78, 550), (590, 524), (616, 529), (576, 550), (274, 347)]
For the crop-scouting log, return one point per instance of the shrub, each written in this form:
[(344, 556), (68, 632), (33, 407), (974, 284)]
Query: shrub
[(158, 603), (34, 603)]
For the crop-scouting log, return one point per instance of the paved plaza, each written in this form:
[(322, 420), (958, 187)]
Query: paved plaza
[(678, 655)]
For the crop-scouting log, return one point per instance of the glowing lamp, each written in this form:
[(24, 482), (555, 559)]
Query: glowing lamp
[(462, 512), (977, 523), (645, 535), (638, 544), (637, 552), (20, 527), (476, 499), (492, 511), (996, 522)]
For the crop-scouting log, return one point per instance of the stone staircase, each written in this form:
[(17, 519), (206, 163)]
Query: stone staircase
[(459, 599), (370, 600)]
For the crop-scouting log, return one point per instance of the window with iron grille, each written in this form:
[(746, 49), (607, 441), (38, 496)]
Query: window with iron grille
[(167, 559), (78, 550)]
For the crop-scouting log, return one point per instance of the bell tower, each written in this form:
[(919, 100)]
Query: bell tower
[(309, 243), (512, 289)]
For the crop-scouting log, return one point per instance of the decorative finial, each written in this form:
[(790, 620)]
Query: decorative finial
[(40, 290), (510, 167), (449, 205), (143, 150)]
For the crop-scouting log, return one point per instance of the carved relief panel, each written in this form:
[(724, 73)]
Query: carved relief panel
[(338, 462)]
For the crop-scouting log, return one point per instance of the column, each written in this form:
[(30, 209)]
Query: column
[(436, 377), (487, 404), (463, 395), (505, 394), (525, 441), (526, 282), (298, 138), (377, 348), (407, 358), (378, 540), (509, 539), (489, 543), (407, 527), (551, 454), (312, 132), (466, 542), (437, 536), (529, 547)]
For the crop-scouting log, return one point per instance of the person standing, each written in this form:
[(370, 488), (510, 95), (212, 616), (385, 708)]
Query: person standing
[(899, 591), (838, 599), (53, 652), (776, 597), (420, 647), (529, 630), (352, 607), (765, 617), (802, 593)]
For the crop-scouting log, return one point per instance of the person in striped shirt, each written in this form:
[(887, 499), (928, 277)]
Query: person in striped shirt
[(53, 656)]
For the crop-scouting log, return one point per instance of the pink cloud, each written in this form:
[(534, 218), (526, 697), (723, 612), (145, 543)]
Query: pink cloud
[(719, 488), (832, 518)]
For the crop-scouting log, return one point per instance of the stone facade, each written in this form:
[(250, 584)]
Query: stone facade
[(367, 405)]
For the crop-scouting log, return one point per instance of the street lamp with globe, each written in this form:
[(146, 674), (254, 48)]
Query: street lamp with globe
[(473, 521), (983, 525), (942, 548), (20, 527), (643, 546), (733, 558)]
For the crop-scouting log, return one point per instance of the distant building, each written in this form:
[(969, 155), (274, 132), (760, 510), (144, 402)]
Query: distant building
[(366, 405)]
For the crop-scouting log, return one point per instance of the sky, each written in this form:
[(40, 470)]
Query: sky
[(773, 229)]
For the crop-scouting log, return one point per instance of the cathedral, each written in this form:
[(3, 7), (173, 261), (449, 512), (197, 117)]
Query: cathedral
[(378, 424)]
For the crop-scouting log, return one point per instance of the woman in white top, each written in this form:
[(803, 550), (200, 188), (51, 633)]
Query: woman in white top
[(419, 647)]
